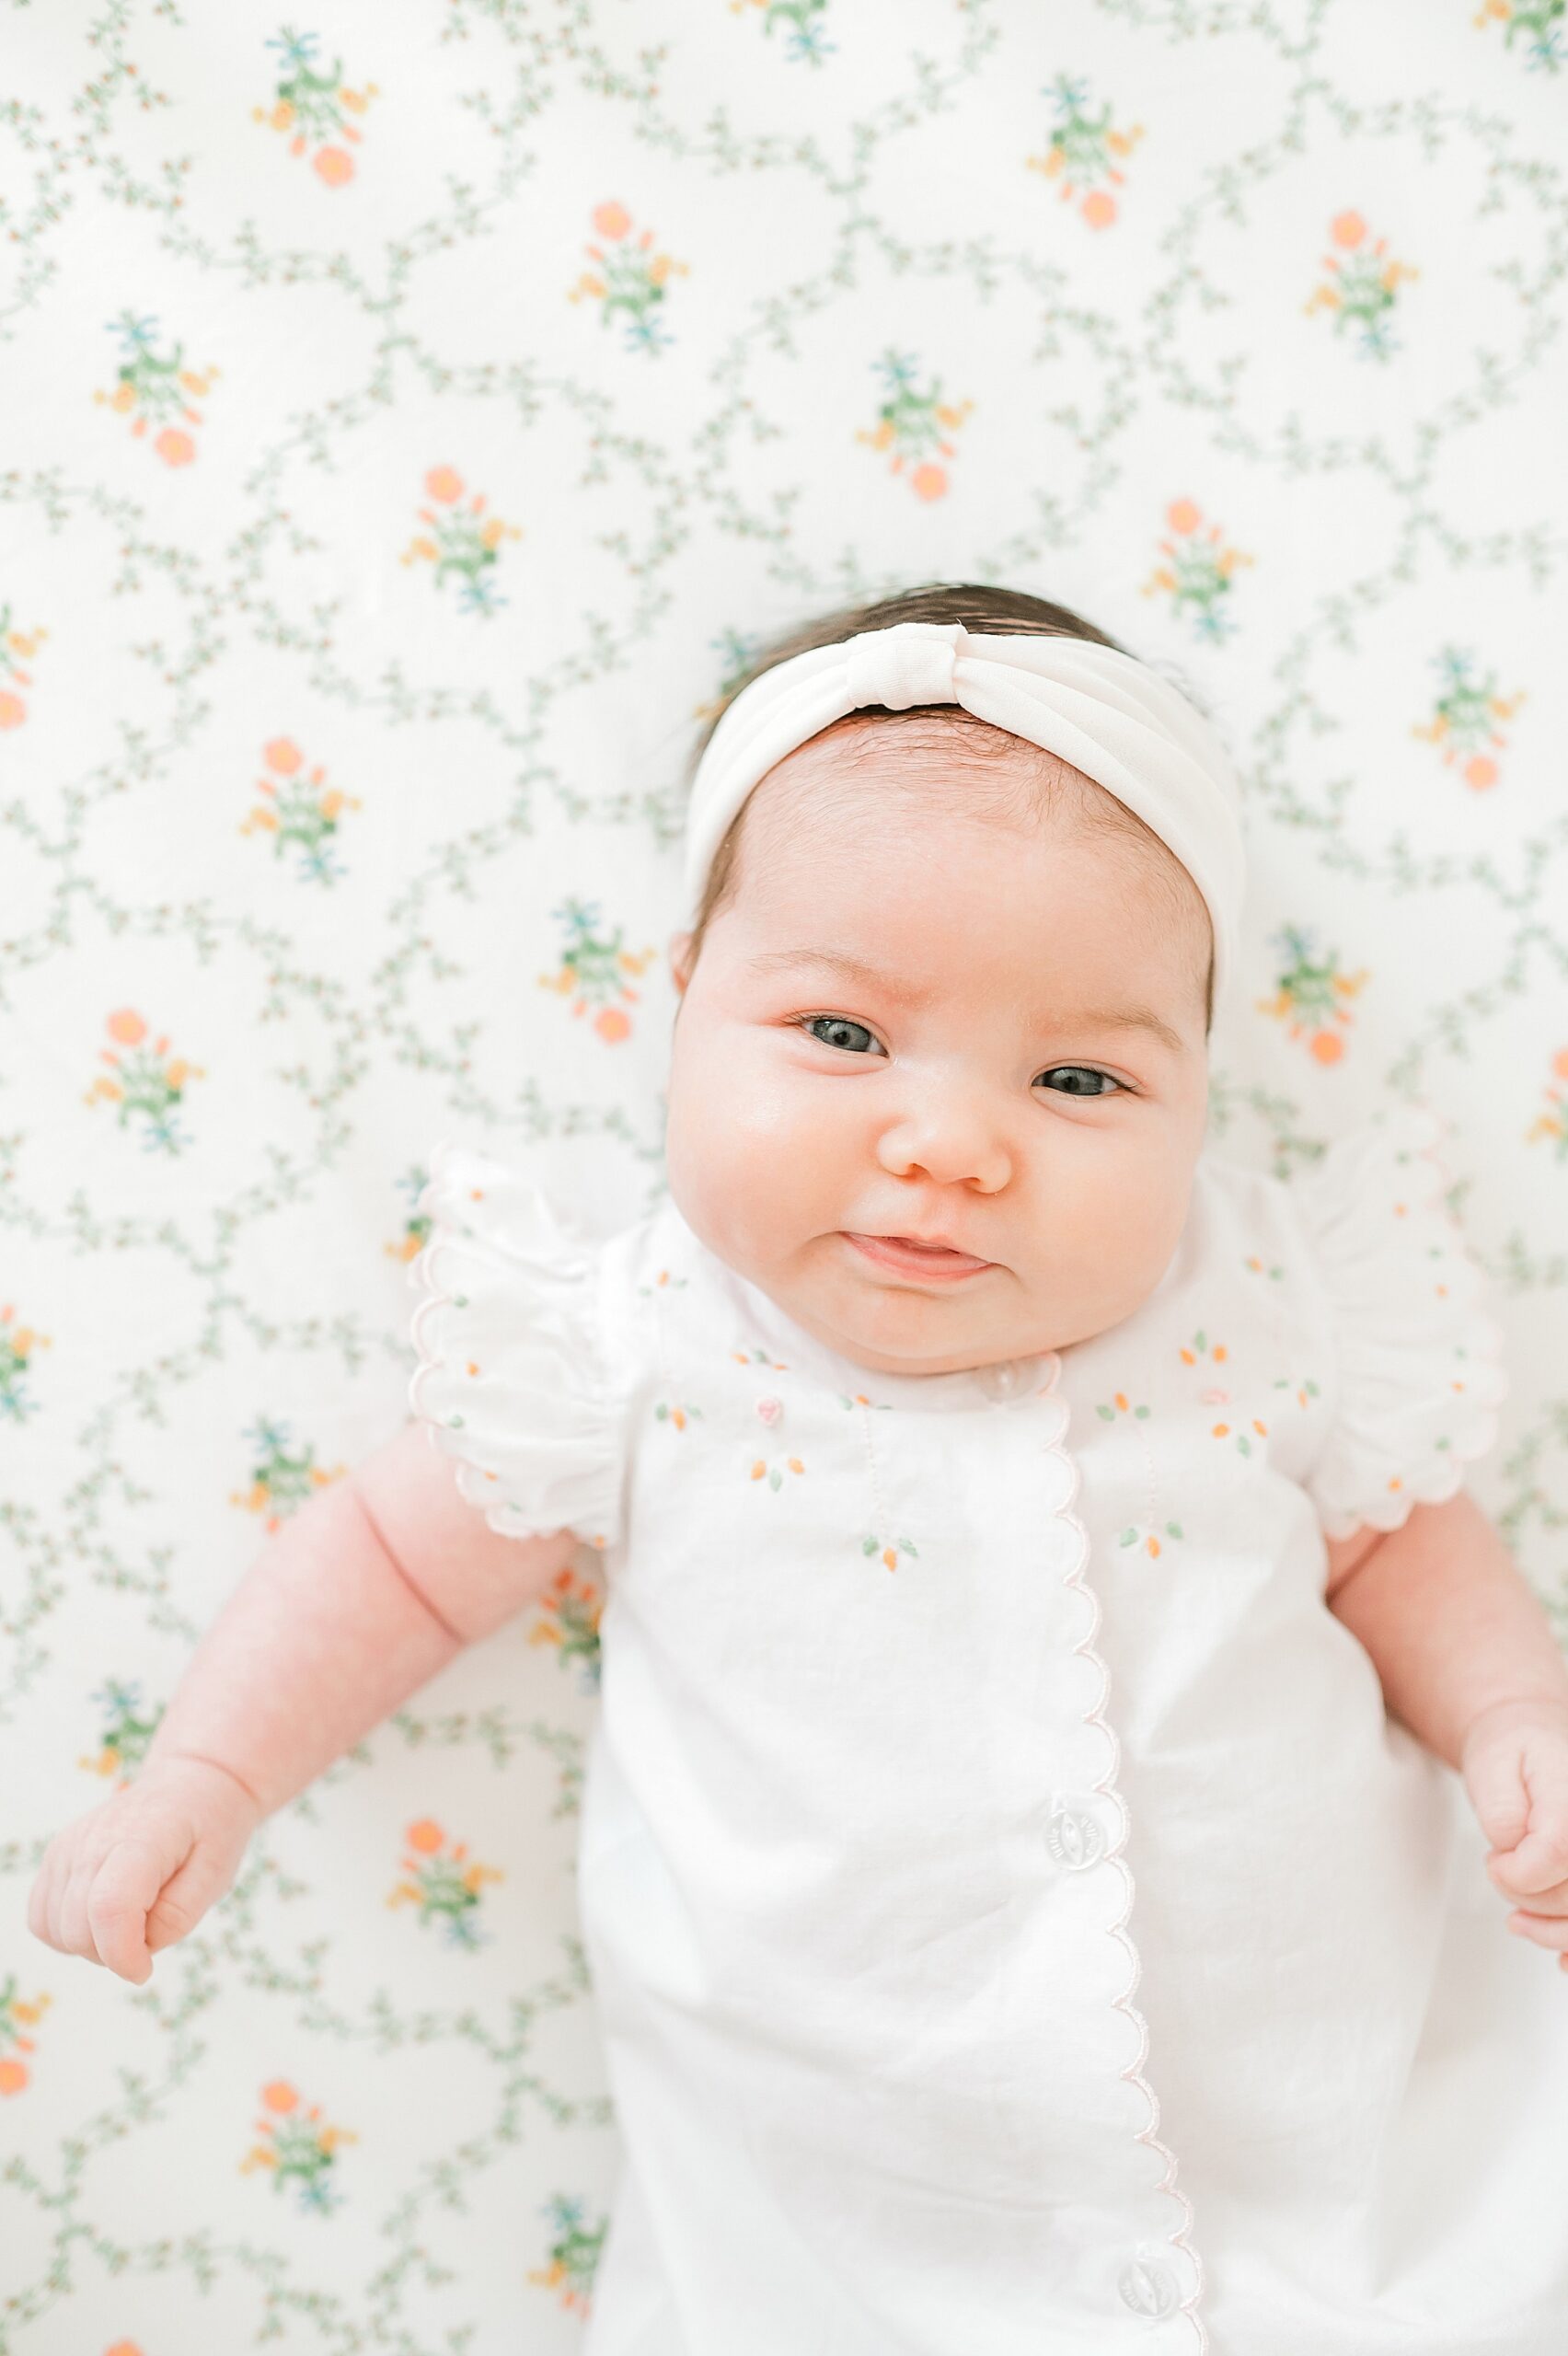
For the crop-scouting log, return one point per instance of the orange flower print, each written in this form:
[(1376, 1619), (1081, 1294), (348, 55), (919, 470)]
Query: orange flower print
[(1120, 1406), (1201, 1347), (1303, 1388), (1080, 153), (154, 391), (416, 1226), (301, 812), (1145, 1535), (1553, 1122), (890, 1551), (912, 424), (593, 971), (805, 41), (123, 1743), (770, 1411), (1464, 719), (281, 1481), (664, 1411), (1361, 288), (15, 2017), (313, 109), (17, 1344), (146, 1083), (1229, 1421), (460, 538), (1197, 573), (574, 2254), (1540, 21), (627, 280), (298, 2150), (444, 1884), (1311, 995), (569, 1618), (16, 648)]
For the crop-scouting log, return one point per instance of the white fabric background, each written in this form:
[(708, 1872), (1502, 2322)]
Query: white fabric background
[(1095, 236)]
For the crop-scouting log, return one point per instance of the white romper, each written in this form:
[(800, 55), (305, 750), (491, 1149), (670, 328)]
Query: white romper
[(1016, 1928)]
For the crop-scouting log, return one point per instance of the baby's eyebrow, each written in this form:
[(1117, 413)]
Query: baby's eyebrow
[(1125, 1017)]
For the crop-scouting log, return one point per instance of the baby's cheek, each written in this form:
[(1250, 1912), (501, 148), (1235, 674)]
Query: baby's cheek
[(1123, 1230)]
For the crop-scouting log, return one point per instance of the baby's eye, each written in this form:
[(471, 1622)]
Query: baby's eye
[(819, 1025), (1085, 1071)]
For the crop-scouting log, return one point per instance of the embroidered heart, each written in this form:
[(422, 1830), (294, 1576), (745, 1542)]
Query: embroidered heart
[(770, 1409)]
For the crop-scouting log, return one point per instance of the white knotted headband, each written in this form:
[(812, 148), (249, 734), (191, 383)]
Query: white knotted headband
[(1106, 714)]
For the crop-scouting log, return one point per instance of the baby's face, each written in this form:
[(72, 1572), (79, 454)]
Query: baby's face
[(915, 1022)]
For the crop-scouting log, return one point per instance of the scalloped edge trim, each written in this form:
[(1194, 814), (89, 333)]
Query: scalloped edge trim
[(1427, 1131), (420, 1277), (1106, 1787)]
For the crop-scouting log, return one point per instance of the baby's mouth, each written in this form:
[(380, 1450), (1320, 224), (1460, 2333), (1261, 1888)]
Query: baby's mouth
[(928, 1261)]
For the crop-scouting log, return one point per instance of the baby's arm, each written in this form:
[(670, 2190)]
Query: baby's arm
[(356, 1603), (1469, 1662)]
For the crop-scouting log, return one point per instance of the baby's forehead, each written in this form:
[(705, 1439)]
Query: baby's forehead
[(875, 799), (941, 771)]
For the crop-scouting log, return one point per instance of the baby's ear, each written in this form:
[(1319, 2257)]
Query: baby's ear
[(680, 953)]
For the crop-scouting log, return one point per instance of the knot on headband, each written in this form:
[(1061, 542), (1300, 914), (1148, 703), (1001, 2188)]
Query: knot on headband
[(1101, 710), (912, 663)]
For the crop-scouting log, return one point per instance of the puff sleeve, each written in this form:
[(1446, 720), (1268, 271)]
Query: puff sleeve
[(511, 1381), (1419, 1378)]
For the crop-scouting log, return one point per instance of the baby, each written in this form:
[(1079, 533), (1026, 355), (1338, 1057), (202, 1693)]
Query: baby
[(995, 1494)]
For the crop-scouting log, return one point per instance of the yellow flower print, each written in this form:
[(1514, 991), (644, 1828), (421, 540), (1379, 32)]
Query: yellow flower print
[(154, 390), (443, 1884), (593, 970), (1311, 994), (1361, 287), (913, 423), (457, 541), (313, 106), (146, 1084), (1197, 573), (298, 2151), (569, 1618), (1081, 150), (629, 282)]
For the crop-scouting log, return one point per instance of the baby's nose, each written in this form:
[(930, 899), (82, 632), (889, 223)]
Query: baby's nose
[(952, 1132)]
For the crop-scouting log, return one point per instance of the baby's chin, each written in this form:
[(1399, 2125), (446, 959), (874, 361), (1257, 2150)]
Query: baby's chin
[(893, 1331)]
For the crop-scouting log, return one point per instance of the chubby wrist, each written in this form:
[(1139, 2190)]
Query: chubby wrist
[(194, 1773), (1513, 1714)]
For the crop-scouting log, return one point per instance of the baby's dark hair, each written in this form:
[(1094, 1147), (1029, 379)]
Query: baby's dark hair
[(978, 608)]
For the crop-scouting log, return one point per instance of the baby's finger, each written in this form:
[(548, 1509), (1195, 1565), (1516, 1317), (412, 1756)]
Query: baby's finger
[(1498, 1794), (39, 1898), (122, 1894), (1540, 1861), (1542, 1901), (69, 1911), (1547, 1931)]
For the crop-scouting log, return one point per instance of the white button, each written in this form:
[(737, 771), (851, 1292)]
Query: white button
[(1147, 2287), (1003, 1381), (1074, 1838)]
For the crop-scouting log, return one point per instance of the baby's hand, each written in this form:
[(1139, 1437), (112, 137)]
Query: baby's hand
[(141, 1869), (1515, 1765)]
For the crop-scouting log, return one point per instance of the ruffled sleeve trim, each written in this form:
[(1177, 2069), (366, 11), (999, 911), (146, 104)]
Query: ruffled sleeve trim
[(511, 1381), (1420, 1373)]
